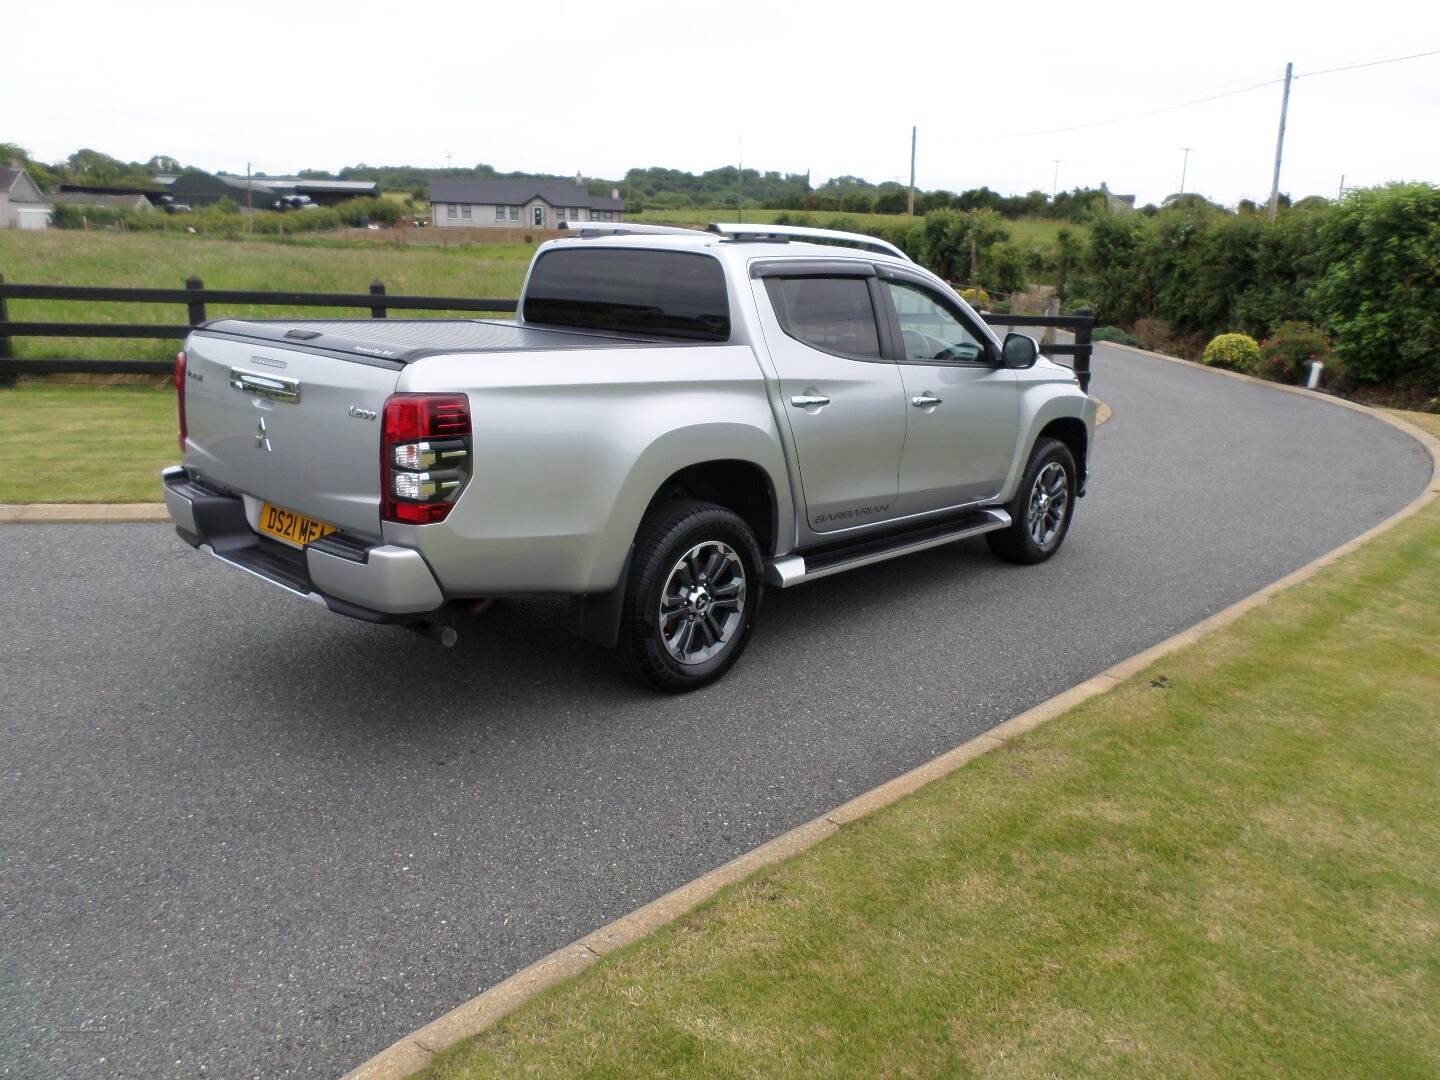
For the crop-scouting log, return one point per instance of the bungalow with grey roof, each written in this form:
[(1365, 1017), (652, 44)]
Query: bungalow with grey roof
[(520, 204)]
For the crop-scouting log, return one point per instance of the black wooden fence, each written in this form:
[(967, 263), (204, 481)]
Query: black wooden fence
[(1082, 326), (195, 298)]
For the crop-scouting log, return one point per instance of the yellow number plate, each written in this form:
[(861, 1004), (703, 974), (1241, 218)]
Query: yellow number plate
[(291, 527)]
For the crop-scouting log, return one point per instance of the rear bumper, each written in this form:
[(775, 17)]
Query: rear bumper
[(377, 583)]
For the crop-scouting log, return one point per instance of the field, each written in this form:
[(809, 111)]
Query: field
[(165, 260), (1031, 230), (123, 435)]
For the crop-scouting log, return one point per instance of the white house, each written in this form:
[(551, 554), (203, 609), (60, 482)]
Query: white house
[(22, 206), (518, 204)]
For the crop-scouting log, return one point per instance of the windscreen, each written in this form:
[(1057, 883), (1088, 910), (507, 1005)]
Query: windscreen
[(677, 294)]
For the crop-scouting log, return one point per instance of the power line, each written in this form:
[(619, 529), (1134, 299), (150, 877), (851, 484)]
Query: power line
[(1368, 63), (1141, 115), (1215, 97)]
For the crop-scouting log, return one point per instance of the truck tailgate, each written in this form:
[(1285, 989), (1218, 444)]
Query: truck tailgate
[(293, 427)]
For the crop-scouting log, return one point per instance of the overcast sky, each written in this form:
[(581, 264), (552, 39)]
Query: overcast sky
[(832, 87)]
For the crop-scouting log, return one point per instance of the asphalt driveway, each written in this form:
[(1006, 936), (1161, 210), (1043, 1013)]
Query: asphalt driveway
[(240, 836)]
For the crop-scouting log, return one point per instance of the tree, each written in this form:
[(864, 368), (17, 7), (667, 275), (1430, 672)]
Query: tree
[(947, 237), (892, 202)]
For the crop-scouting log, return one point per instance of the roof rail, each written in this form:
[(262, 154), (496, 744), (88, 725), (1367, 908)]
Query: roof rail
[(780, 232), (623, 228)]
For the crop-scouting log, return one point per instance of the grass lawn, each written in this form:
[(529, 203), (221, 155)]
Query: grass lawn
[(164, 260), (1036, 230), (116, 440), (1228, 866)]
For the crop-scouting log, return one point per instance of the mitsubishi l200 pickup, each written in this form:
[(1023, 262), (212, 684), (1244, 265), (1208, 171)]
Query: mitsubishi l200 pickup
[(676, 420)]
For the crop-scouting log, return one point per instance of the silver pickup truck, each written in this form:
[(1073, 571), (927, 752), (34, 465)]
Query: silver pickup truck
[(675, 420)]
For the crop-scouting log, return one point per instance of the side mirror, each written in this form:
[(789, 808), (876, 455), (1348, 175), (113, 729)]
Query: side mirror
[(1020, 351)]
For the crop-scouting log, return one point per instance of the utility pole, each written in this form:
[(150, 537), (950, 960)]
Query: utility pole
[(249, 199), (1280, 146), (740, 183), (1341, 195), (1055, 181), (910, 203), (1185, 167)]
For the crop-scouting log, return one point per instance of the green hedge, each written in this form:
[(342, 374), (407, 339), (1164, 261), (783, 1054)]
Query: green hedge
[(223, 220), (1365, 270), (941, 241)]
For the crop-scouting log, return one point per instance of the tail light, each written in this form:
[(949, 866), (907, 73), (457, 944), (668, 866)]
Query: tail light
[(180, 394), (424, 456)]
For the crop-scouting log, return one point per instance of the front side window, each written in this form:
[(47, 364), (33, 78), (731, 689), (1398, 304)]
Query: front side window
[(833, 314), (451, 210), (465, 211), (514, 213), (930, 329), (657, 293), (499, 213)]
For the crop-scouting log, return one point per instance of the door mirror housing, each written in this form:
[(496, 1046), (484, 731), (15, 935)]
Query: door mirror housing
[(1020, 351)]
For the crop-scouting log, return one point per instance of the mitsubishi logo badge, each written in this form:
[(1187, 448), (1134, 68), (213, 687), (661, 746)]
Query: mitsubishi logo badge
[(262, 440)]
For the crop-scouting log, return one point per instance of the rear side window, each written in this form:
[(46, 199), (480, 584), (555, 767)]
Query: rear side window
[(833, 314), (675, 294)]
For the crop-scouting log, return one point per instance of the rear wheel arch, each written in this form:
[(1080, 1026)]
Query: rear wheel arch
[(741, 486)]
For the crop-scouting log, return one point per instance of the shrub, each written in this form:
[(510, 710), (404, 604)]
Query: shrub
[(1238, 352), (364, 211), (1156, 334), (1286, 354), (1003, 268), (1116, 335), (976, 298)]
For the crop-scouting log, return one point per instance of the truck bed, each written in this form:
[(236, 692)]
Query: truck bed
[(397, 342)]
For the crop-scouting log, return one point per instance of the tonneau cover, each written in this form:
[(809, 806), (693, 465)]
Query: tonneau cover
[(403, 341)]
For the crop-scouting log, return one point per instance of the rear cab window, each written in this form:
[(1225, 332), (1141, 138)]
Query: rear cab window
[(833, 314), (668, 294)]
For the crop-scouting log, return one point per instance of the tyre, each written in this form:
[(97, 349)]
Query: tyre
[(694, 589), (1042, 508)]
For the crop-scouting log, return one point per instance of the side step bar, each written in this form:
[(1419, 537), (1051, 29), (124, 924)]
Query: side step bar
[(794, 569)]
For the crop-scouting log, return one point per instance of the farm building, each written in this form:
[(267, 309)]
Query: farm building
[(22, 204), (264, 193), (325, 192), (128, 200), (519, 204), (152, 192), (204, 189)]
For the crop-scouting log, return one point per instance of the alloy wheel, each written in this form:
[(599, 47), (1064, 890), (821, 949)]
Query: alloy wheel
[(1049, 499), (702, 605)]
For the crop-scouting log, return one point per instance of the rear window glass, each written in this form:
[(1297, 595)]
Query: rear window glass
[(659, 293), (833, 314)]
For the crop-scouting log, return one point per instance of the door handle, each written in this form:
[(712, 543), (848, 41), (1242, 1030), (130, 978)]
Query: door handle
[(268, 386), (926, 401), (809, 401)]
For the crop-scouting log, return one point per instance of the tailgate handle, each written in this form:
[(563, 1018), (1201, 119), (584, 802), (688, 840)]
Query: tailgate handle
[(270, 386)]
